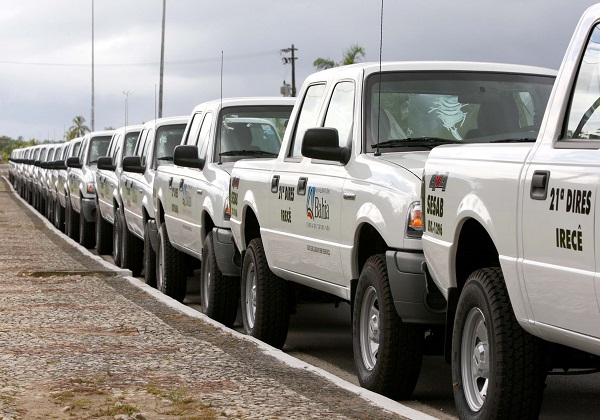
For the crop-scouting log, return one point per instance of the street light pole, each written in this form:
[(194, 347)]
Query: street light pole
[(92, 65), (162, 62), (126, 93), (292, 61)]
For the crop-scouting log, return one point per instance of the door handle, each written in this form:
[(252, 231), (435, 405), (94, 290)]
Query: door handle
[(181, 184), (275, 184), (199, 192), (170, 182), (349, 196), (302, 185), (539, 185), (140, 191)]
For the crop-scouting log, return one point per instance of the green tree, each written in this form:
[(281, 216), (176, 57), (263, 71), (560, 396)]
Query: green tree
[(79, 128), (353, 54)]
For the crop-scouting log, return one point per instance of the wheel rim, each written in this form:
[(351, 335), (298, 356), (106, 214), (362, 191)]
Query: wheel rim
[(475, 359), (205, 284), (160, 260), (369, 328), (250, 295)]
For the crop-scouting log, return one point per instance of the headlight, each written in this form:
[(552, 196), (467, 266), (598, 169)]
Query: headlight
[(414, 225), (227, 211)]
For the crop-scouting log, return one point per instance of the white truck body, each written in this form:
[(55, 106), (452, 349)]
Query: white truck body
[(531, 209), (323, 219), (191, 197)]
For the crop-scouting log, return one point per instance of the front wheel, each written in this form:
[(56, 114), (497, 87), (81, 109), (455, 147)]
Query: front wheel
[(387, 352), (104, 234), (149, 259), (133, 249), (264, 296), (219, 294), (497, 367), (171, 273), (72, 224), (59, 216), (117, 239), (87, 231)]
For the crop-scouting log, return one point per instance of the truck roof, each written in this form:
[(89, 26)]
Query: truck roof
[(387, 66), (243, 101)]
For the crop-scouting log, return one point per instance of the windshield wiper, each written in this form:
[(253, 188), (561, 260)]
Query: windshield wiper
[(417, 141), (93, 161), (169, 158), (248, 153), (522, 140)]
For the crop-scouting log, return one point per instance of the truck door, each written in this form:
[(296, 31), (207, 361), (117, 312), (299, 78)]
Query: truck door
[(560, 207), (309, 221)]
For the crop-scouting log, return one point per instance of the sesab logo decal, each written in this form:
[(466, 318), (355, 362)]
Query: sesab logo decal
[(438, 181)]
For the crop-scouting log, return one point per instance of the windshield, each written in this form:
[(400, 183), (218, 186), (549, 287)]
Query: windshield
[(98, 147), (252, 131), (418, 111)]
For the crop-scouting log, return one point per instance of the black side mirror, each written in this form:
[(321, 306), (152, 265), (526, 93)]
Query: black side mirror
[(37, 163), (323, 143), (74, 162), (133, 164), (186, 155), (60, 164), (106, 163)]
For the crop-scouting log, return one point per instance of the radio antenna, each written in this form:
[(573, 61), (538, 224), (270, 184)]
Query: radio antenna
[(220, 127), (377, 153)]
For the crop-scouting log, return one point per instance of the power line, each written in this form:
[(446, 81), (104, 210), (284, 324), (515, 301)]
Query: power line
[(197, 61)]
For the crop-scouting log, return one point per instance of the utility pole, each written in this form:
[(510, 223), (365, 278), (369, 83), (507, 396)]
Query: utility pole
[(92, 65), (162, 62), (126, 93), (292, 60)]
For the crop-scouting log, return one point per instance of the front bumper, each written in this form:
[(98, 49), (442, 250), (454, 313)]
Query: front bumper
[(227, 260), (408, 285)]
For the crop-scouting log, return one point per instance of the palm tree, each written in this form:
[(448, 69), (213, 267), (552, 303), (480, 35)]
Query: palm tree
[(353, 54), (79, 128)]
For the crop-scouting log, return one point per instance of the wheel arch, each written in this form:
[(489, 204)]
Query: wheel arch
[(251, 226)]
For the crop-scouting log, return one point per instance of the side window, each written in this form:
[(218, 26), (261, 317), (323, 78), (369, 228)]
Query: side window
[(340, 110), (583, 120), (192, 134), (308, 114), (203, 137), (115, 145), (146, 144)]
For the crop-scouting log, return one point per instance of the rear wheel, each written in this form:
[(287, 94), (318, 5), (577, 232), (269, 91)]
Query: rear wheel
[(497, 366), (264, 298), (387, 352), (87, 232), (133, 249), (104, 234), (219, 294), (149, 259), (171, 278)]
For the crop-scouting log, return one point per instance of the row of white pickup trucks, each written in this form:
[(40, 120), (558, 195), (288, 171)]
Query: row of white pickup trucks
[(452, 204)]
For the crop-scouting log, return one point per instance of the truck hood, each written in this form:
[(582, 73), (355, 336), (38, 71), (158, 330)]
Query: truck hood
[(411, 161), (226, 166)]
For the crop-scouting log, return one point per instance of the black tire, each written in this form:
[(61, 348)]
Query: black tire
[(512, 360), (87, 231), (149, 259), (219, 294), (118, 239), (104, 234), (391, 368), (133, 251), (72, 221), (59, 216), (264, 298), (171, 278)]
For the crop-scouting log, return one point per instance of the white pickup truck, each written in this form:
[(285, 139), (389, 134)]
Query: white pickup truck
[(512, 240), (339, 209), (191, 197), (135, 226)]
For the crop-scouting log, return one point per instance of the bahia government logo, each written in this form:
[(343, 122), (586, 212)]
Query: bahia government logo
[(316, 206)]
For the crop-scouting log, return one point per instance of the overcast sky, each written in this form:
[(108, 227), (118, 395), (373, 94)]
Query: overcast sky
[(45, 49)]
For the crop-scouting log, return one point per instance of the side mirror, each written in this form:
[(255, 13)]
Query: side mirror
[(323, 143), (106, 163), (37, 163), (133, 164), (60, 164), (185, 155), (74, 162)]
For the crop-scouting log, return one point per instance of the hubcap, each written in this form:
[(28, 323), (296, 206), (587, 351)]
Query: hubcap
[(369, 328), (475, 359), (250, 295)]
